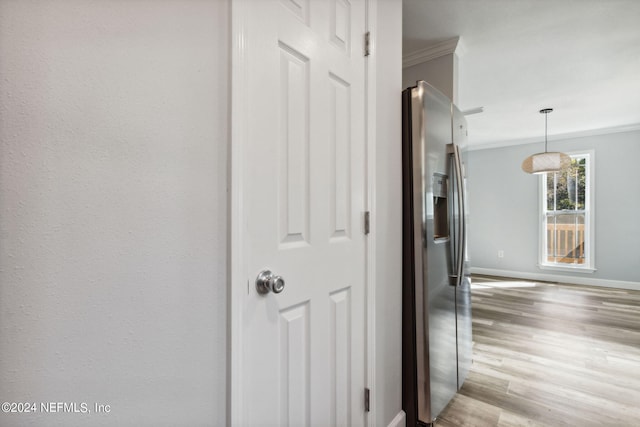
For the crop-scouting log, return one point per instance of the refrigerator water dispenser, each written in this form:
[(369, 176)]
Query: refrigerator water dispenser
[(440, 207)]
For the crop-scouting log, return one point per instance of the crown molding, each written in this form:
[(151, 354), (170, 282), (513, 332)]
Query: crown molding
[(560, 137), (428, 53)]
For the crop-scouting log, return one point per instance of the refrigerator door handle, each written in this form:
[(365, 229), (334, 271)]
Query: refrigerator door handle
[(460, 246)]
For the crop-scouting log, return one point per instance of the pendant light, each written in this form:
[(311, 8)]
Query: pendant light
[(547, 161)]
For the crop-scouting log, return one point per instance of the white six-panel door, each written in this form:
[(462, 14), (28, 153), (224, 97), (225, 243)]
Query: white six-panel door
[(303, 186)]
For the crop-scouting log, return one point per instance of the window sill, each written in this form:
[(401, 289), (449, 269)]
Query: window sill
[(572, 269)]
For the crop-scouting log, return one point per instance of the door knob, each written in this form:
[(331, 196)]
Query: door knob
[(268, 282)]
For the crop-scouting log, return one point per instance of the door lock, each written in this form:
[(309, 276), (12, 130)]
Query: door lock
[(268, 282)]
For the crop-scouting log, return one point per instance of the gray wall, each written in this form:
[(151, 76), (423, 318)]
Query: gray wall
[(503, 203), (113, 237), (388, 213)]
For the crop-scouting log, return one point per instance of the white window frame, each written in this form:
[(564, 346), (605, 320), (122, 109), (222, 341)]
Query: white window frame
[(589, 255)]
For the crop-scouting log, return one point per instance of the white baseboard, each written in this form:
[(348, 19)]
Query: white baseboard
[(619, 284), (399, 420)]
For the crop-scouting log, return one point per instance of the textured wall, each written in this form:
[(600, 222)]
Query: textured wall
[(113, 129)]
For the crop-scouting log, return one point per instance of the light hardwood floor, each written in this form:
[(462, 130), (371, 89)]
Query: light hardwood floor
[(550, 355)]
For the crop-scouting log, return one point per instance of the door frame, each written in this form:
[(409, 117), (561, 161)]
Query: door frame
[(238, 285), (370, 63)]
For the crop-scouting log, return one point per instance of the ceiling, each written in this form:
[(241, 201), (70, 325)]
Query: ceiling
[(579, 57)]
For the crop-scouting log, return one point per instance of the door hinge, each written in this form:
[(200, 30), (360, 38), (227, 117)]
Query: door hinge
[(367, 43), (367, 222), (367, 407)]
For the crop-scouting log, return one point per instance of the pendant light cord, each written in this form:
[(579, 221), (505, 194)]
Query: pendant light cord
[(546, 112), (545, 131)]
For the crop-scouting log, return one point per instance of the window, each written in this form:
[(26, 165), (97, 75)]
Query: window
[(566, 232)]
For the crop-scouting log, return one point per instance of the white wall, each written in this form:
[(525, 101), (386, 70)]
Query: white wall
[(388, 212), (113, 176), (503, 203), (441, 73)]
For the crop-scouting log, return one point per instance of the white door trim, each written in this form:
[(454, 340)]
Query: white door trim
[(237, 215), (370, 279)]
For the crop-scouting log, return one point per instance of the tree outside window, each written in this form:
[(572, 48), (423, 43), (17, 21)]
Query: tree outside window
[(566, 214)]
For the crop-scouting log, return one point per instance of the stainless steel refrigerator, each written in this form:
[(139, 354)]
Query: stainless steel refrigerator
[(436, 284)]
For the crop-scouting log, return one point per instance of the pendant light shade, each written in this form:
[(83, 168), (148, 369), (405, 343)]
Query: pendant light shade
[(547, 161)]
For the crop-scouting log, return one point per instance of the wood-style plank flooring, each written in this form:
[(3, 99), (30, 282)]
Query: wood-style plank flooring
[(550, 355)]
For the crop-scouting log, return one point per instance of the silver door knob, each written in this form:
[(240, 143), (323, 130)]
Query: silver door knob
[(268, 282)]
